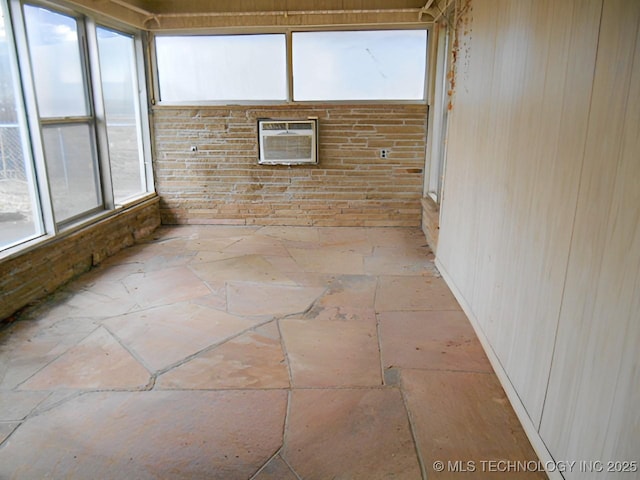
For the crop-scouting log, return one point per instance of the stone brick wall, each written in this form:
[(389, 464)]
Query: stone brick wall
[(352, 186), (31, 275), (431, 222)]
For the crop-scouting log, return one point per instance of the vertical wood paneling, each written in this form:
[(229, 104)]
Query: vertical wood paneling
[(516, 143), (540, 224), (469, 118), (591, 410), (543, 186)]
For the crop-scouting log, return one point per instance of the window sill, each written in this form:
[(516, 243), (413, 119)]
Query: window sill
[(85, 222)]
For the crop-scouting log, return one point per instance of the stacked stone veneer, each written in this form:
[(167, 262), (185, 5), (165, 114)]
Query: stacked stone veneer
[(351, 186), (36, 272)]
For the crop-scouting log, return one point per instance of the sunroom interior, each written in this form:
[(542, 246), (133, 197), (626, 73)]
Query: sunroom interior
[(284, 239)]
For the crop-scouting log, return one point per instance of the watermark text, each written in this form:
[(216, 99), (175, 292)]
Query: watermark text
[(512, 466)]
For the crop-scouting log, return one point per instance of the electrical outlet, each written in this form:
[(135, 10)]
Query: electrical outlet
[(384, 153), (194, 148)]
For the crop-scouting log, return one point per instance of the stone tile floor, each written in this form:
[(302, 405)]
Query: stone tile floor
[(218, 352)]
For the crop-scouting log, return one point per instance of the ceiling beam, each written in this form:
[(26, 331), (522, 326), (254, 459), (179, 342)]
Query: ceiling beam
[(166, 7), (165, 15)]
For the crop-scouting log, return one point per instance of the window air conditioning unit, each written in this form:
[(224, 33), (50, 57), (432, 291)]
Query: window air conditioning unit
[(288, 142)]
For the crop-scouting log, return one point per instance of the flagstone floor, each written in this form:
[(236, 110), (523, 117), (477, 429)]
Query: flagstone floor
[(219, 352)]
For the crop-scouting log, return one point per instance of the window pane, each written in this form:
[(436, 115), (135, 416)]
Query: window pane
[(235, 67), (73, 177), (370, 65), (57, 66), (120, 93), (19, 214)]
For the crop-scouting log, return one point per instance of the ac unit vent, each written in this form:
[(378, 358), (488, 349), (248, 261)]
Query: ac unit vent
[(288, 142)]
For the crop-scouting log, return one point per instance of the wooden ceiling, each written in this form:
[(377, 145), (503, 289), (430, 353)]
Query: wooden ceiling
[(208, 6), (159, 15)]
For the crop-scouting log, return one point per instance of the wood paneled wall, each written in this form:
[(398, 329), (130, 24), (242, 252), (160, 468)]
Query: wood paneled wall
[(593, 404), (540, 221)]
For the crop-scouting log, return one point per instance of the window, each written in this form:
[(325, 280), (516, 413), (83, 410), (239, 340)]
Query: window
[(122, 111), (73, 139), (57, 63), (361, 65), (65, 114), (222, 68), (373, 65), (20, 217), (439, 119), (69, 151)]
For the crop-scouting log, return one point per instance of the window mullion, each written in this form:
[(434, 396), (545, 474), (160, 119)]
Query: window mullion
[(289, 41), (65, 120), (102, 138), (31, 107), (142, 114)]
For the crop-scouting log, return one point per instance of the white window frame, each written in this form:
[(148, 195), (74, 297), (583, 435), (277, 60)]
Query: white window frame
[(216, 36), (438, 118), (363, 79), (141, 106), (40, 221), (16, 29), (90, 119)]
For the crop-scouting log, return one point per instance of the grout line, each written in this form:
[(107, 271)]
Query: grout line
[(17, 387), (264, 465), (412, 429), (214, 389), (35, 412), (6, 439), (345, 387), (211, 290), (72, 395), (151, 385), (252, 389), (283, 346), (291, 468), (449, 370), (379, 339), (211, 347), (310, 307), (35, 408), (422, 310), (226, 296), (375, 295), (130, 351), (376, 313), (285, 424)]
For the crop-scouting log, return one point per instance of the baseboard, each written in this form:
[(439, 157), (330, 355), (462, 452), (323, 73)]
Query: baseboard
[(527, 424)]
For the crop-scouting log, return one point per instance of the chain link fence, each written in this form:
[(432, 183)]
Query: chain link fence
[(11, 155)]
